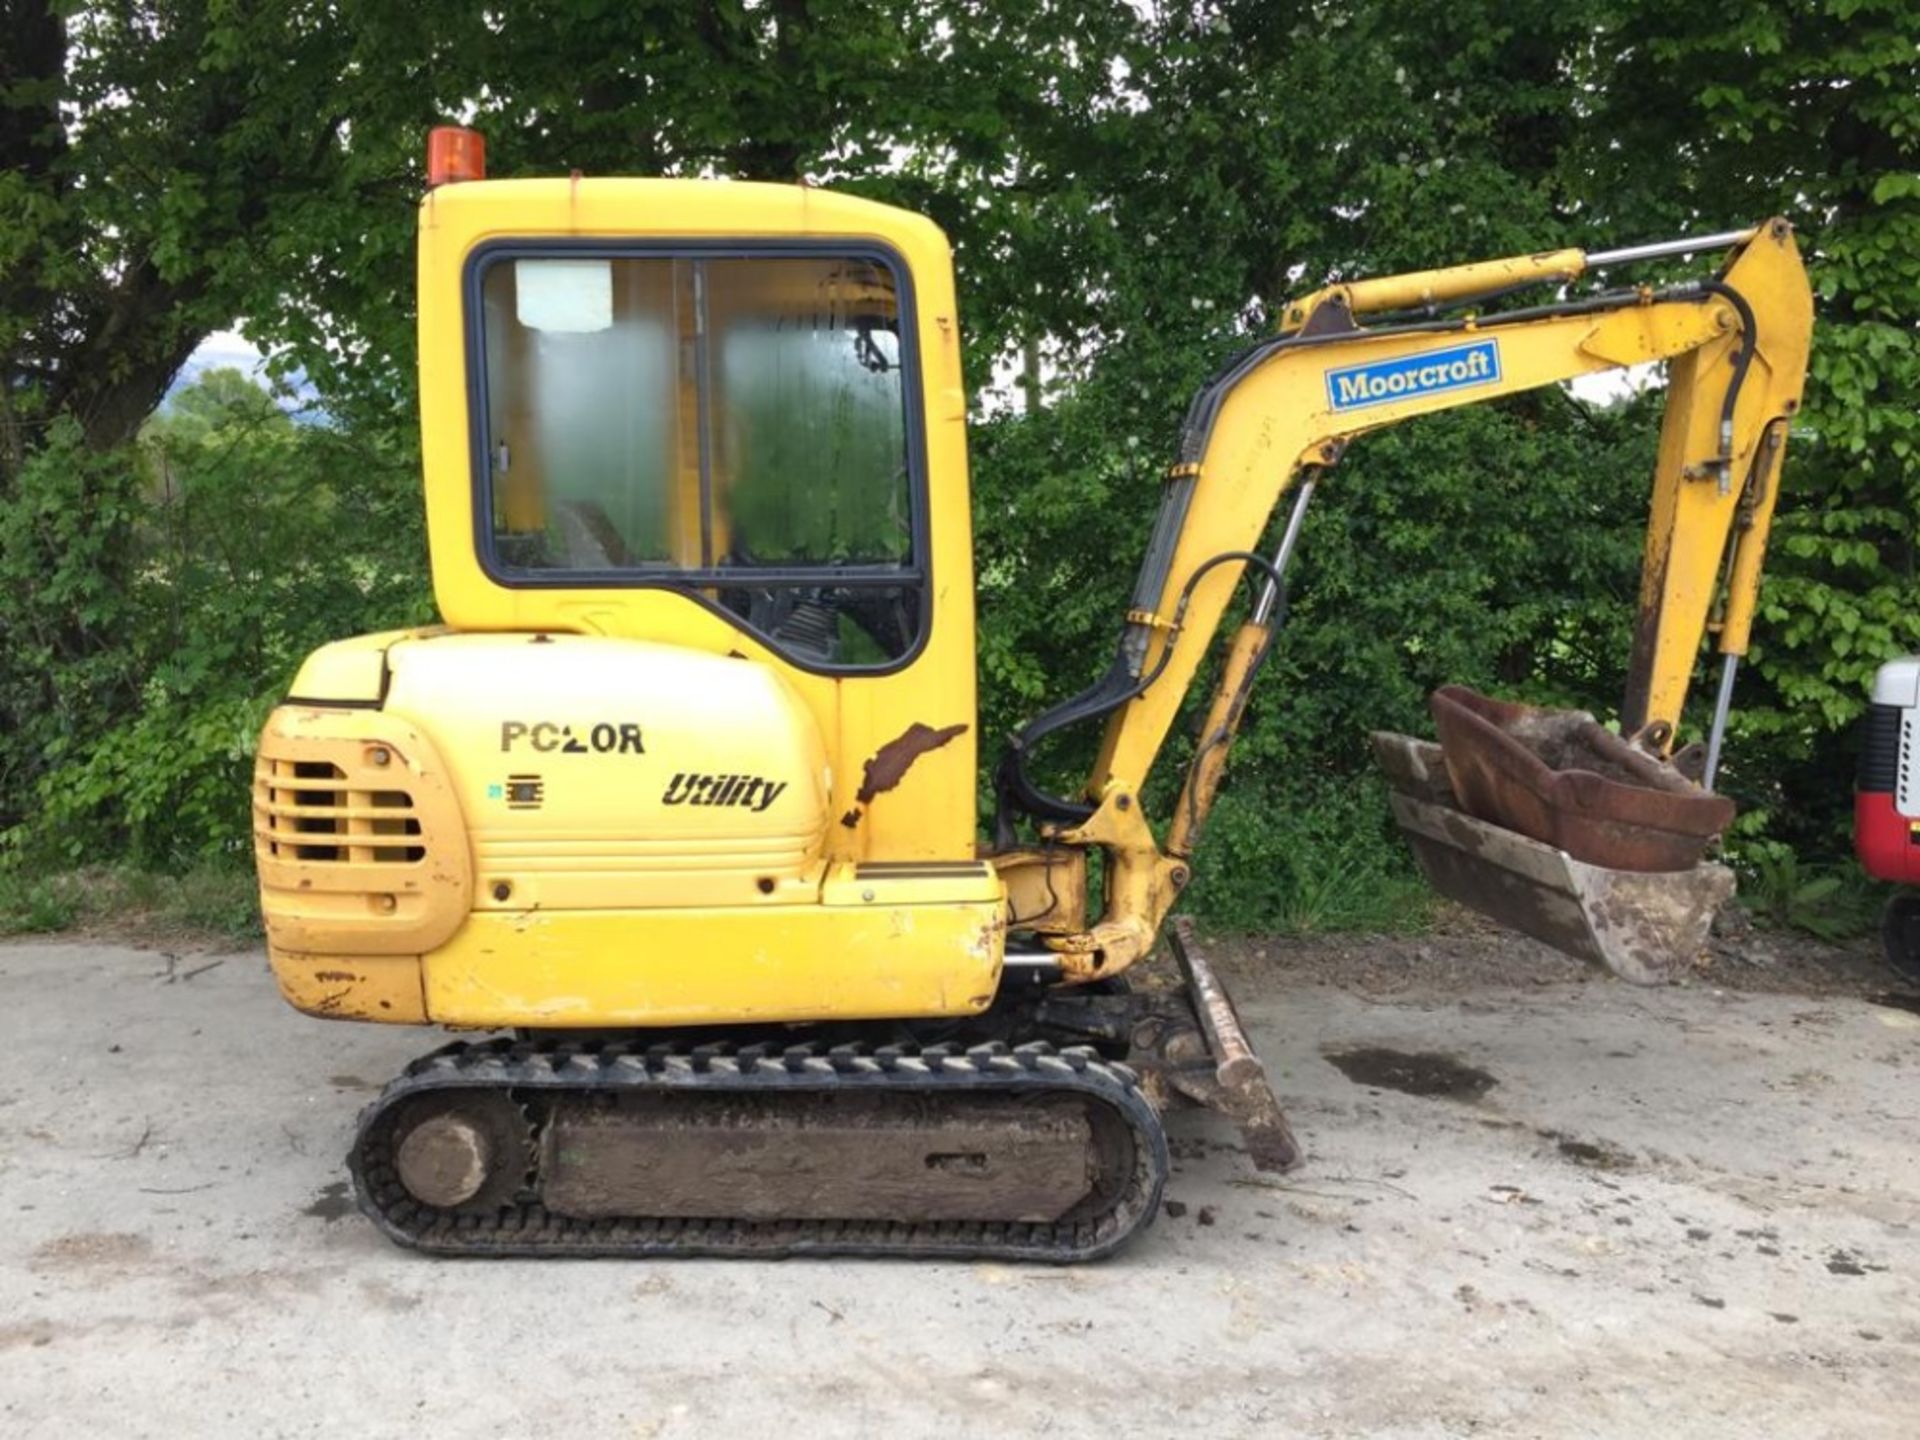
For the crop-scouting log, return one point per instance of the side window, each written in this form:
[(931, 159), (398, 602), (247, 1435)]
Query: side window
[(584, 437), (736, 427)]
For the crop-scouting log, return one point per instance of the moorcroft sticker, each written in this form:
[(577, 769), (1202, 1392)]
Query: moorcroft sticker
[(1460, 367)]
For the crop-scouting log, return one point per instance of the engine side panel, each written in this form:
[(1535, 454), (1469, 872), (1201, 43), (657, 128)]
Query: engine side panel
[(608, 774), (585, 831)]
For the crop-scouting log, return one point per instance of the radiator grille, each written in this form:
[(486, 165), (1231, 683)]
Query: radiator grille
[(312, 810), (1906, 795), (1882, 752)]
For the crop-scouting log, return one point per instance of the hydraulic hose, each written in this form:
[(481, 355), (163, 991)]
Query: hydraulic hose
[(1015, 789)]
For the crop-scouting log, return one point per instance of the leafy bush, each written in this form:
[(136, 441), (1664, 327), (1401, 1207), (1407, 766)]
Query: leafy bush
[(219, 900), (1314, 862), (168, 593), (37, 904), (1830, 902), (1132, 191), (1498, 548)]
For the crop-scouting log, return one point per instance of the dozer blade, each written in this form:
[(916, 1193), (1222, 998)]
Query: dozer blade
[(1231, 1079), (1644, 926)]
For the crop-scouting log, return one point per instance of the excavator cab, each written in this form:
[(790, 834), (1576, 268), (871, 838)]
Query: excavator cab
[(679, 800), (696, 741)]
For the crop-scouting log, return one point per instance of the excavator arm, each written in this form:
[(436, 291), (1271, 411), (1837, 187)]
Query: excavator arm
[(1279, 416)]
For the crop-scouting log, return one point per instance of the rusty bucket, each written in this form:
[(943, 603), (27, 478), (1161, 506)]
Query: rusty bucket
[(1560, 777), (1552, 825)]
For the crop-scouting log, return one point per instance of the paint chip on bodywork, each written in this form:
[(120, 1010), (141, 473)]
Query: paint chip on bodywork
[(892, 760)]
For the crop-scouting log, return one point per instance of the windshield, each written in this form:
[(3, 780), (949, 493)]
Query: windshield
[(734, 426)]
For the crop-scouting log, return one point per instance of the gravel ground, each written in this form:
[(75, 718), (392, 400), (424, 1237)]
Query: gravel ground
[(1687, 1211)]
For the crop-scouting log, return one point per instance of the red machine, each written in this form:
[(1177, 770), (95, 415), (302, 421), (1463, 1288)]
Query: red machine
[(1886, 804)]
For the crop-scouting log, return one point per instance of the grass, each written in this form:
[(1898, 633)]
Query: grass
[(1830, 902), (1322, 864), (211, 903), (1352, 891)]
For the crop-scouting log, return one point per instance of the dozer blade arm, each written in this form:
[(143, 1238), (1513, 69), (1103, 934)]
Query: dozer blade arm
[(1738, 350)]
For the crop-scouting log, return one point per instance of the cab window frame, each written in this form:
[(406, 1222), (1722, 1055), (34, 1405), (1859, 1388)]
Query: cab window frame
[(688, 583)]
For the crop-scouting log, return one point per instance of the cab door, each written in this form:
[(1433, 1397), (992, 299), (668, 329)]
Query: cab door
[(728, 417)]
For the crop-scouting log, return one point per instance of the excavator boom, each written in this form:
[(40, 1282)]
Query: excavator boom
[(1280, 416)]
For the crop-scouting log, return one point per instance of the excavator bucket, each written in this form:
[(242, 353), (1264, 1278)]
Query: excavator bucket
[(1643, 923)]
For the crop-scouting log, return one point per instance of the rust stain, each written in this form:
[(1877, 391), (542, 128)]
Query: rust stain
[(892, 760), (1649, 614)]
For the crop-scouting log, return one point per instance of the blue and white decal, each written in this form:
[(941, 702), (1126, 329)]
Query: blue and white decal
[(1459, 367)]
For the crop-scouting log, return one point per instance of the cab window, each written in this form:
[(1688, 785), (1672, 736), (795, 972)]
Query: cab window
[(733, 426)]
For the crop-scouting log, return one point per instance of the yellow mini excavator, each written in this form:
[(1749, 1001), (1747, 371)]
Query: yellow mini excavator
[(679, 801)]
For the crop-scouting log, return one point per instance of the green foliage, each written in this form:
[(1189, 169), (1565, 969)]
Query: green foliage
[(1438, 552), (241, 541), (1811, 110), (36, 904), (216, 900), (1493, 548), (1829, 902), (66, 562), (212, 899), (1307, 861)]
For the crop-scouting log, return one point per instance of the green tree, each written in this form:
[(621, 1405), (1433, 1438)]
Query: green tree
[(1813, 111), (173, 167), (249, 540), (1248, 153), (1131, 192)]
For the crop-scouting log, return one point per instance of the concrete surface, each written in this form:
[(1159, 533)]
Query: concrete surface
[(1674, 1212)]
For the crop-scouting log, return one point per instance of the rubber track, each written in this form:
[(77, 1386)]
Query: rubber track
[(529, 1229)]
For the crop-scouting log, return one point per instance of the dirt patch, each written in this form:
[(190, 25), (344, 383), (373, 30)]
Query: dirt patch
[(1565, 740), (31, 1333), (87, 1249), (333, 1203), (1460, 950), (1423, 1073), (1845, 1262), (388, 1297), (1591, 1154), (1463, 951)]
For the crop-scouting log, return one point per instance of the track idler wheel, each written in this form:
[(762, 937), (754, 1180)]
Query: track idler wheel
[(469, 1153)]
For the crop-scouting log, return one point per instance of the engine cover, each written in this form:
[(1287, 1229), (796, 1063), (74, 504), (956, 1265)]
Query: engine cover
[(493, 830), (600, 773)]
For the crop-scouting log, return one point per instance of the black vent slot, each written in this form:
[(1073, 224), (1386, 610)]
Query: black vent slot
[(1879, 772)]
